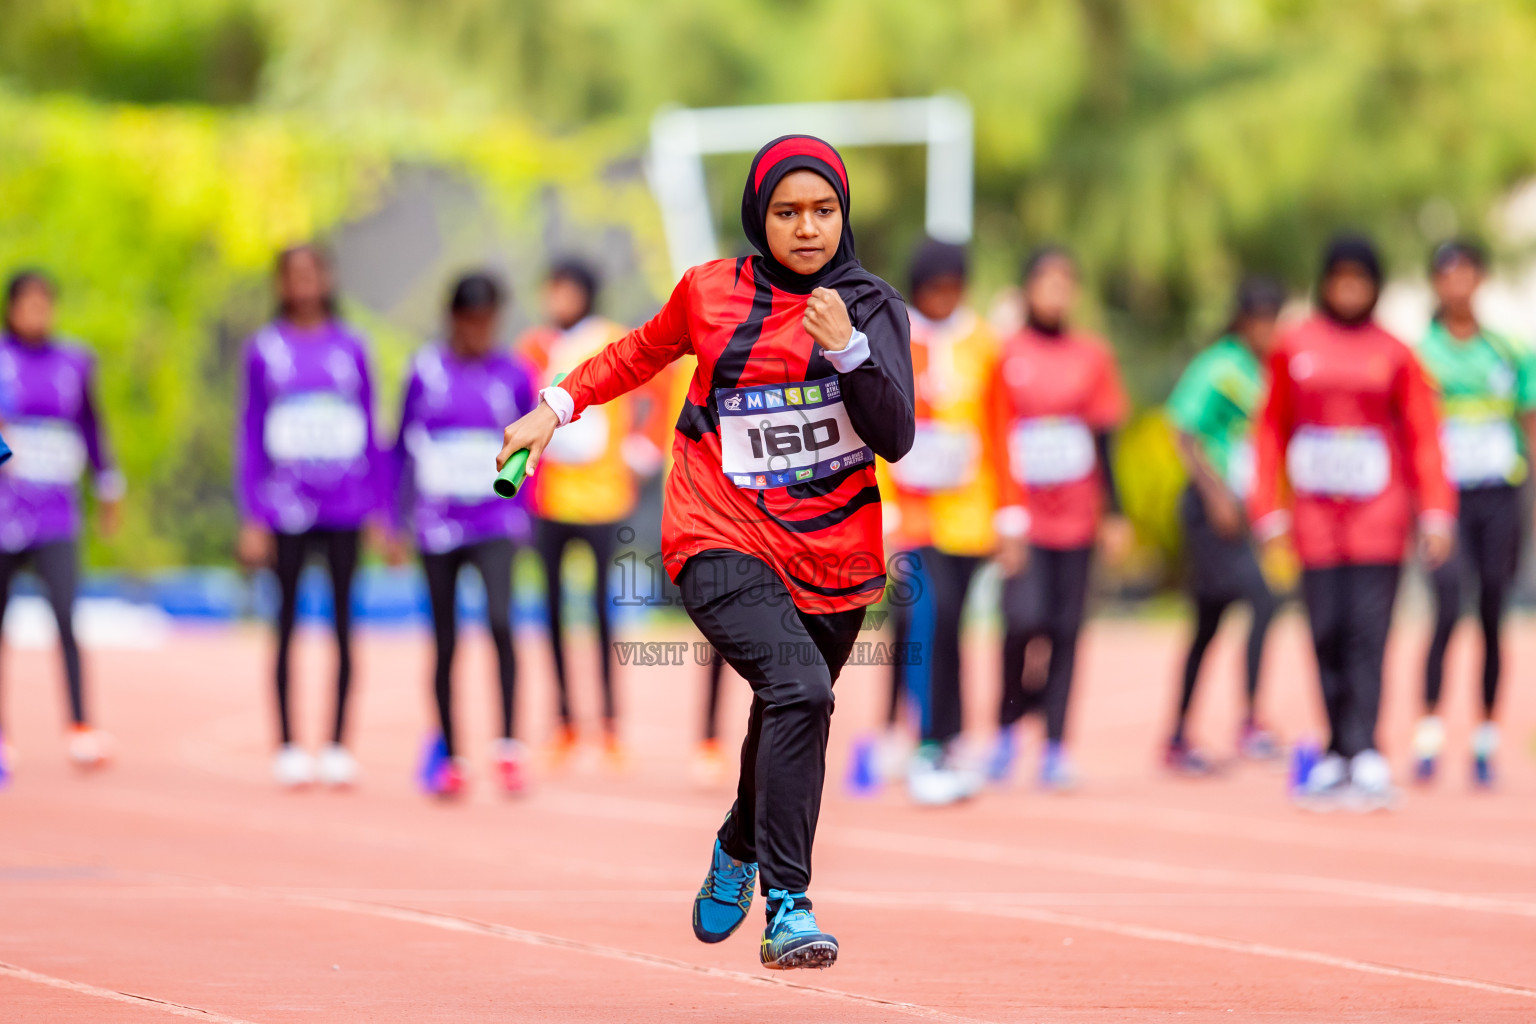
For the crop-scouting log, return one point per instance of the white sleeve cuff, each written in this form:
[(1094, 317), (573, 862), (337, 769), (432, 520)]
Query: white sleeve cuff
[(111, 485), (1272, 525), (851, 356), (560, 400), (1011, 521)]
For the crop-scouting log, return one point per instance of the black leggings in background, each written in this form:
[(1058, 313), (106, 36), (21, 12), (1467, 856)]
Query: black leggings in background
[(339, 549), (1488, 547), (1350, 608), (57, 564), (791, 659), (1045, 601), (551, 539), (926, 611), (493, 560), (1222, 572)]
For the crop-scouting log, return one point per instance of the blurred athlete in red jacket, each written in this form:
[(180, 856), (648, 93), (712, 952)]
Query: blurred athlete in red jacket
[(1350, 430), (1055, 402)]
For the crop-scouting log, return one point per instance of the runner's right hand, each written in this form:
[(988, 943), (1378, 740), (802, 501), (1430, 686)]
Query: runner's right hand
[(533, 432), (1012, 555), (1226, 514), (253, 547)]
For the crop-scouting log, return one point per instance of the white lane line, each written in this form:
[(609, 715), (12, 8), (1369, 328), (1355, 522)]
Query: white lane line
[(176, 1009), (1307, 956), (1188, 821), (470, 926), (980, 851), (1075, 898), (1157, 871)]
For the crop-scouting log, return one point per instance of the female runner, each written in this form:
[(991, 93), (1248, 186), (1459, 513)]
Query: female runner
[(459, 395), (307, 477), (1487, 386), (772, 520), (1212, 408), (588, 488), (1055, 404), (944, 496), (1350, 425), (48, 407)]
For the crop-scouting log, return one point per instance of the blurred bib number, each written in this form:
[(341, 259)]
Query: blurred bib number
[(1048, 450), (580, 442), (782, 434), (1339, 462), (49, 452), (1479, 450), (942, 458), (455, 465), (318, 426)]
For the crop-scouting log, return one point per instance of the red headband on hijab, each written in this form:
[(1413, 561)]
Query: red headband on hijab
[(799, 145)]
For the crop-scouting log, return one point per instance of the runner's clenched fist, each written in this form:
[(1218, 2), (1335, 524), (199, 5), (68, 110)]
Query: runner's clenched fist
[(826, 320)]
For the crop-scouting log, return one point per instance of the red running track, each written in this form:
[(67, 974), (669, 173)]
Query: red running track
[(181, 883)]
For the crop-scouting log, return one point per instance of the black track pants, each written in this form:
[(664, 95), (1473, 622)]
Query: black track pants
[(1044, 602), (493, 560), (791, 659), (1222, 572), (926, 608), (1350, 608), (57, 564), (339, 548), (551, 538), (1487, 547)]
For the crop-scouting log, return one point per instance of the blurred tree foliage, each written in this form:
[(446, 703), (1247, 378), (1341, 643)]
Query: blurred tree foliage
[(1173, 143)]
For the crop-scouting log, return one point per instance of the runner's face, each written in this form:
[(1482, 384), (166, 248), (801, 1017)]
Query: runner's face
[(31, 315), (566, 302), (304, 284), (1259, 332), (939, 298), (474, 331), (1456, 284), (805, 222), (1349, 291), (1051, 291)]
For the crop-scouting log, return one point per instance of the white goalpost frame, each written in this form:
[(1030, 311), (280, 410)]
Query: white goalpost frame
[(681, 138)]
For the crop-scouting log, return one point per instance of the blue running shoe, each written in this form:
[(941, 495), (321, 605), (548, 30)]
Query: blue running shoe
[(1057, 772), (435, 765), (725, 898), (792, 939), (1004, 751)]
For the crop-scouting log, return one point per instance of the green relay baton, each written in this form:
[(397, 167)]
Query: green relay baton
[(510, 480)]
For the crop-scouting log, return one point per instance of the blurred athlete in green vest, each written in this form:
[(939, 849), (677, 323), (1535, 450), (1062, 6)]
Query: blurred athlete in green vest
[(1487, 389), (1212, 408)]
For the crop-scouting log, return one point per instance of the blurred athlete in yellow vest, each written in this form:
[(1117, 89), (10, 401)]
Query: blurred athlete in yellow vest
[(940, 501), (586, 484)]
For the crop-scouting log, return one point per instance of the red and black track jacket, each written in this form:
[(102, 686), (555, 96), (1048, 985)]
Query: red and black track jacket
[(823, 538)]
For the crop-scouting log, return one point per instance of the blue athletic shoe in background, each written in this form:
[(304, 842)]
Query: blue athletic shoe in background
[(1485, 745), (434, 764), (793, 940), (1004, 751), (725, 898), (1057, 772)]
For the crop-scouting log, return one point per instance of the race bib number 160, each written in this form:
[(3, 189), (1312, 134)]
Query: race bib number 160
[(780, 434)]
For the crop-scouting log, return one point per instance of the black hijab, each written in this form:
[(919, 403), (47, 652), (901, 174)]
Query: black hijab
[(843, 272), (1357, 250)]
